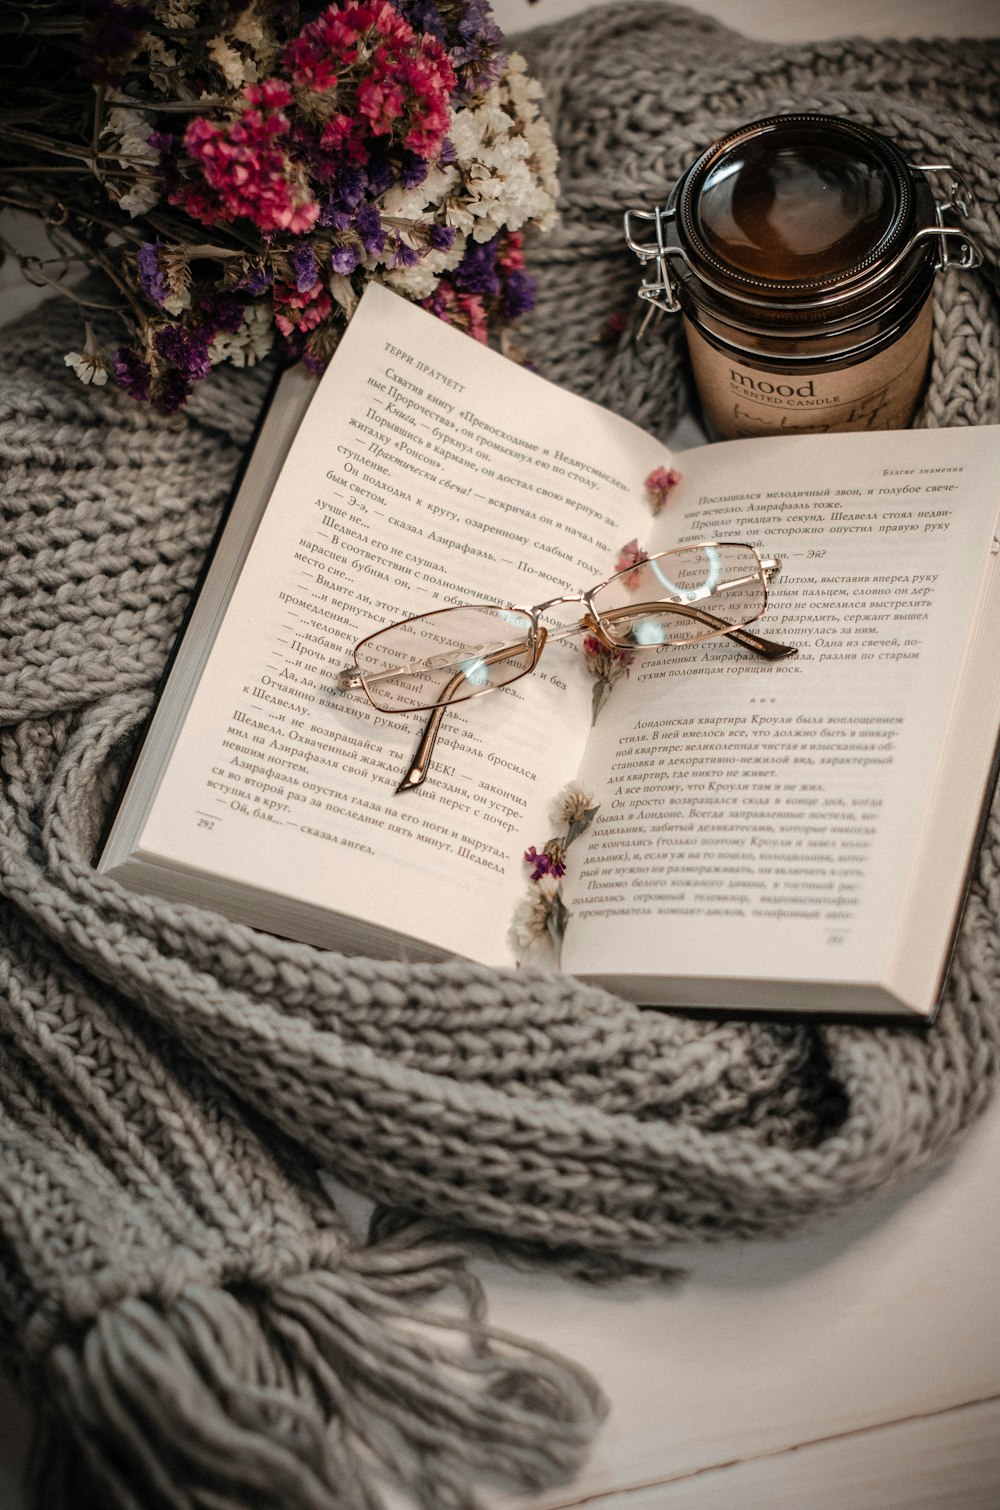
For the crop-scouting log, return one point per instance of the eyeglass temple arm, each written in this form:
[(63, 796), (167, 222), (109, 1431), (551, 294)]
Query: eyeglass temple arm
[(771, 650), (420, 763)]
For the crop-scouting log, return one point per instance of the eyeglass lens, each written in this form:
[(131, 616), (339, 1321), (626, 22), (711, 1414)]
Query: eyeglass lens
[(445, 657), (684, 595)]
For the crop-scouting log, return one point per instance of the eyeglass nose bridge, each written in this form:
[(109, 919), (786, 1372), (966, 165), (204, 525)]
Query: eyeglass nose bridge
[(569, 597), (589, 623)]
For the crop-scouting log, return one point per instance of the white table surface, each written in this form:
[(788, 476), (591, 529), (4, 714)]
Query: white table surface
[(853, 1369)]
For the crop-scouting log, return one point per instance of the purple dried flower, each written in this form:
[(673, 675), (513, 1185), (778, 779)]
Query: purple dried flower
[(131, 373), (313, 364), (368, 224), (477, 273), (175, 389), (447, 154), (381, 175), (344, 259), (304, 267), (346, 195), (404, 255), (478, 56), (187, 350), (413, 170), (222, 311), (441, 237), (333, 216), (423, 15), (518, 295), (257, 279), (152, 281), (543, 864), (352, 181)]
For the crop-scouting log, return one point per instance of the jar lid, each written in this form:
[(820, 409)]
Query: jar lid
[(796, 206)]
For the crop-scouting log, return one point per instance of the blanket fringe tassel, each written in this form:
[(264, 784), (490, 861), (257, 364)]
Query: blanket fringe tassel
[(316, 1393)]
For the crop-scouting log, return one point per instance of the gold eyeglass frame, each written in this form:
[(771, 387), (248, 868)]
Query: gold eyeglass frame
[(593, 621)]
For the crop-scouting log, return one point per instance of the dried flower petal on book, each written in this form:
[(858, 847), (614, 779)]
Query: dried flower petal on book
[(539, 922), (528, 936), (659, 484), (608, 664), (631, 555), (549, 862), (573, 805)]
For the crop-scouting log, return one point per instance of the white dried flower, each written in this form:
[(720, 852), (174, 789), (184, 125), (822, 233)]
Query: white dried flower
[(417, 282), (570, 805), (417, 207), (127, 133), (88, 364), (88, 369), (163, 64), (507, 160), (249, 28), (237, 70), (248, 345), (419, 203), (529, 928), (178, 15)]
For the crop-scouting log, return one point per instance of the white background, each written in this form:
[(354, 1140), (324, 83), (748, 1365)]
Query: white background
[(858, 1369)]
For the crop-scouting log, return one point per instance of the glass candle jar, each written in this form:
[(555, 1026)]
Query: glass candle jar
[(801, 252)]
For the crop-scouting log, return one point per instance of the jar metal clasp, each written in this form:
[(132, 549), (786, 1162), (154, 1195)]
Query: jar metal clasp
[(658, 291), (959, 202)]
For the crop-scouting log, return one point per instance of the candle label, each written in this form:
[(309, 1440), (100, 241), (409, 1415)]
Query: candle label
[(879, 393)]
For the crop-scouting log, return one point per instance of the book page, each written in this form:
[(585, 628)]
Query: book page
[(428, 471), (760, 820)]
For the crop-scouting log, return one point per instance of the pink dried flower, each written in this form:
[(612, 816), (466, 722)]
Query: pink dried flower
[(407, 83), (510, 255), (607, 664), (631, 555), (607, 661), (327, 45), (472, 308), (298, 309), (244, 164), (659, 484), (381, 103)]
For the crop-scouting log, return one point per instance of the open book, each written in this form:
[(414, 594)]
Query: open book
[(790, 832)]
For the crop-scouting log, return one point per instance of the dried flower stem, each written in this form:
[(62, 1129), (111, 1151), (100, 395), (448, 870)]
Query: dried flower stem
[(95, 138), (201, 106)]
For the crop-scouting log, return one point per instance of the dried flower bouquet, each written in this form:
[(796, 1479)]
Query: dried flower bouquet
[(240, 168)]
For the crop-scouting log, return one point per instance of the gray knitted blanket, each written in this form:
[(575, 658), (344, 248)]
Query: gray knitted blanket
[(196, 1321)]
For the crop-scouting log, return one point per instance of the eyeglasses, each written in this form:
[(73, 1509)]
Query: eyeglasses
[(436, 660)]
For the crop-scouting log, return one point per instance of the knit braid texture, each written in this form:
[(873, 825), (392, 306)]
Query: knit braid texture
[(176, 1288)]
